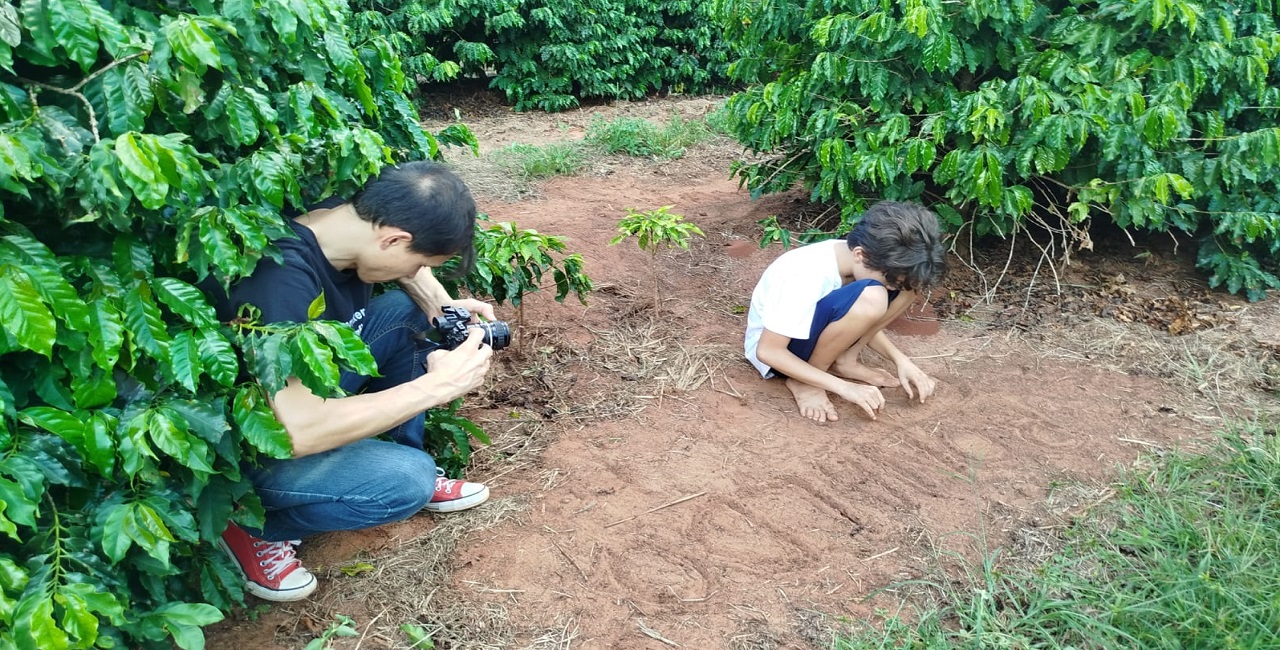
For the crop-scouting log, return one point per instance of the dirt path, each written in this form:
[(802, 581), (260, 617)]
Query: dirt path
[(775, 528)]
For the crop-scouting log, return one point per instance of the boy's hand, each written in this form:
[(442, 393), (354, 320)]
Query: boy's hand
[(910, 375), (868, 397)]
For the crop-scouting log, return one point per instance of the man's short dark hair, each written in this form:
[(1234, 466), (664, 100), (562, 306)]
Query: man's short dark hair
[(902, 241), (429, 202)]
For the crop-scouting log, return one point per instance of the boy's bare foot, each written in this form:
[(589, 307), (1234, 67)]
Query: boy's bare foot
[(865, 374), (813, 402)]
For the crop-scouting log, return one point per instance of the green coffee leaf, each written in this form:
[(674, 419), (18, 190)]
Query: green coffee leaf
[(115, 542), (33, 624), (192, 45), (148, 531), (313, 362), (348, 346), (77, 620), (140, 171), (42, 268), (19, 508), (258, 424), (23, 315), (74, 30), (185, 301), (106, 332), (144, 321), (269, 360), (61, 423), (98, 444), (178, 519), (38, 22), (135, 452), (217, 357), (317, 307)]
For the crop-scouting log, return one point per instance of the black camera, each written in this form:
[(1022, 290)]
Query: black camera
[(453, 326)]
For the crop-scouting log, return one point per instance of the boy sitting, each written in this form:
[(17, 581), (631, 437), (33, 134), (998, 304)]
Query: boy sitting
[(816, 307)]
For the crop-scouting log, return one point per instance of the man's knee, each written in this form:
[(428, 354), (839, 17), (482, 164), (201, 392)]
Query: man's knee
[(408, 478)]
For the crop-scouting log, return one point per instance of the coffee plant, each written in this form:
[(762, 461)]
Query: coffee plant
[(654, 230), (144, 147), (1155, 115), (511, 262), (548, 54), (448, 437)]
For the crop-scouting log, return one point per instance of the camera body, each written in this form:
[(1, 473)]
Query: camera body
[(453, 326)]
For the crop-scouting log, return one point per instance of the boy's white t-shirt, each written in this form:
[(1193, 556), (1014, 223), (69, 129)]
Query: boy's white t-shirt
[(788, 292)]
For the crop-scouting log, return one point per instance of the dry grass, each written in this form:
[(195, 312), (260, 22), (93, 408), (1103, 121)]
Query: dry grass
[(410, 584), (1220, 367), (644, 350)]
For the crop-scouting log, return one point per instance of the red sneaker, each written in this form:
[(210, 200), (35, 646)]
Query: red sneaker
[(271, 570), (453, 495)]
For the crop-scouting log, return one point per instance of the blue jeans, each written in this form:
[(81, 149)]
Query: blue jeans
[(368, 482)]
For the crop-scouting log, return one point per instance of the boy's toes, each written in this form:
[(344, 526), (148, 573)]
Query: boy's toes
[(830, 413), (821, 414)]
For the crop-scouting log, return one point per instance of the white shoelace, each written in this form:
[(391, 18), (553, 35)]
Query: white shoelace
[(278, 556), (444, 484)]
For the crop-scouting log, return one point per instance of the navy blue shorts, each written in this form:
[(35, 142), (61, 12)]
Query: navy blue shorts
[(831, 308)]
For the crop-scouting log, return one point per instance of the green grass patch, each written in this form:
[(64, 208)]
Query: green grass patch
[(533, 162), (1186, 555), (636, 136)]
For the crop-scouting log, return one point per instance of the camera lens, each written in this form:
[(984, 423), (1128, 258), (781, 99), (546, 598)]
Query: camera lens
[(496, 334)]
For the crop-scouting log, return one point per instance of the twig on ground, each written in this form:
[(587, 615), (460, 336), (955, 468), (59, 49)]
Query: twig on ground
[(665, 505), (571, 561), (654, 634), (879, 555), (692, 600), (1138, 442), (370, 626)]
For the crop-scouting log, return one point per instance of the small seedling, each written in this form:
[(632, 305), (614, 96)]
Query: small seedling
[(418, 637), (356, 568), (774, 232), (341, 626), (448, 438), (654, 229)]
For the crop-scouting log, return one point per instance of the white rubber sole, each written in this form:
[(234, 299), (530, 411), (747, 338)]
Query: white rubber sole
[(459, 504), (273, 595)]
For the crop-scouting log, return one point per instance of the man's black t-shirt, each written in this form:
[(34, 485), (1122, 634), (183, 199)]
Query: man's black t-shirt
[(284, 291)]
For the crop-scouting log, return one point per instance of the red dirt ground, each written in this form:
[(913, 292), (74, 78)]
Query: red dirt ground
[(783, 517)]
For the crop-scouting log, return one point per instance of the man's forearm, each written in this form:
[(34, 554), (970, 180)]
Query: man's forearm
[(426, 292), (316, 424)]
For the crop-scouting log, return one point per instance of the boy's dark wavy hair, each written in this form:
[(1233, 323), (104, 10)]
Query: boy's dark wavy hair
[(902, 241)]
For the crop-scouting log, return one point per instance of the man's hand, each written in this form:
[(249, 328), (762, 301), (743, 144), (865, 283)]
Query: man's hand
[(868, 397), (910, 375), (477, 308), (463, 369)]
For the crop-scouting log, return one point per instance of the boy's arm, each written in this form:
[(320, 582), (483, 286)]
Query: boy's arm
[(772, 350), (908, 373), (427, 292), (316, 424)]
